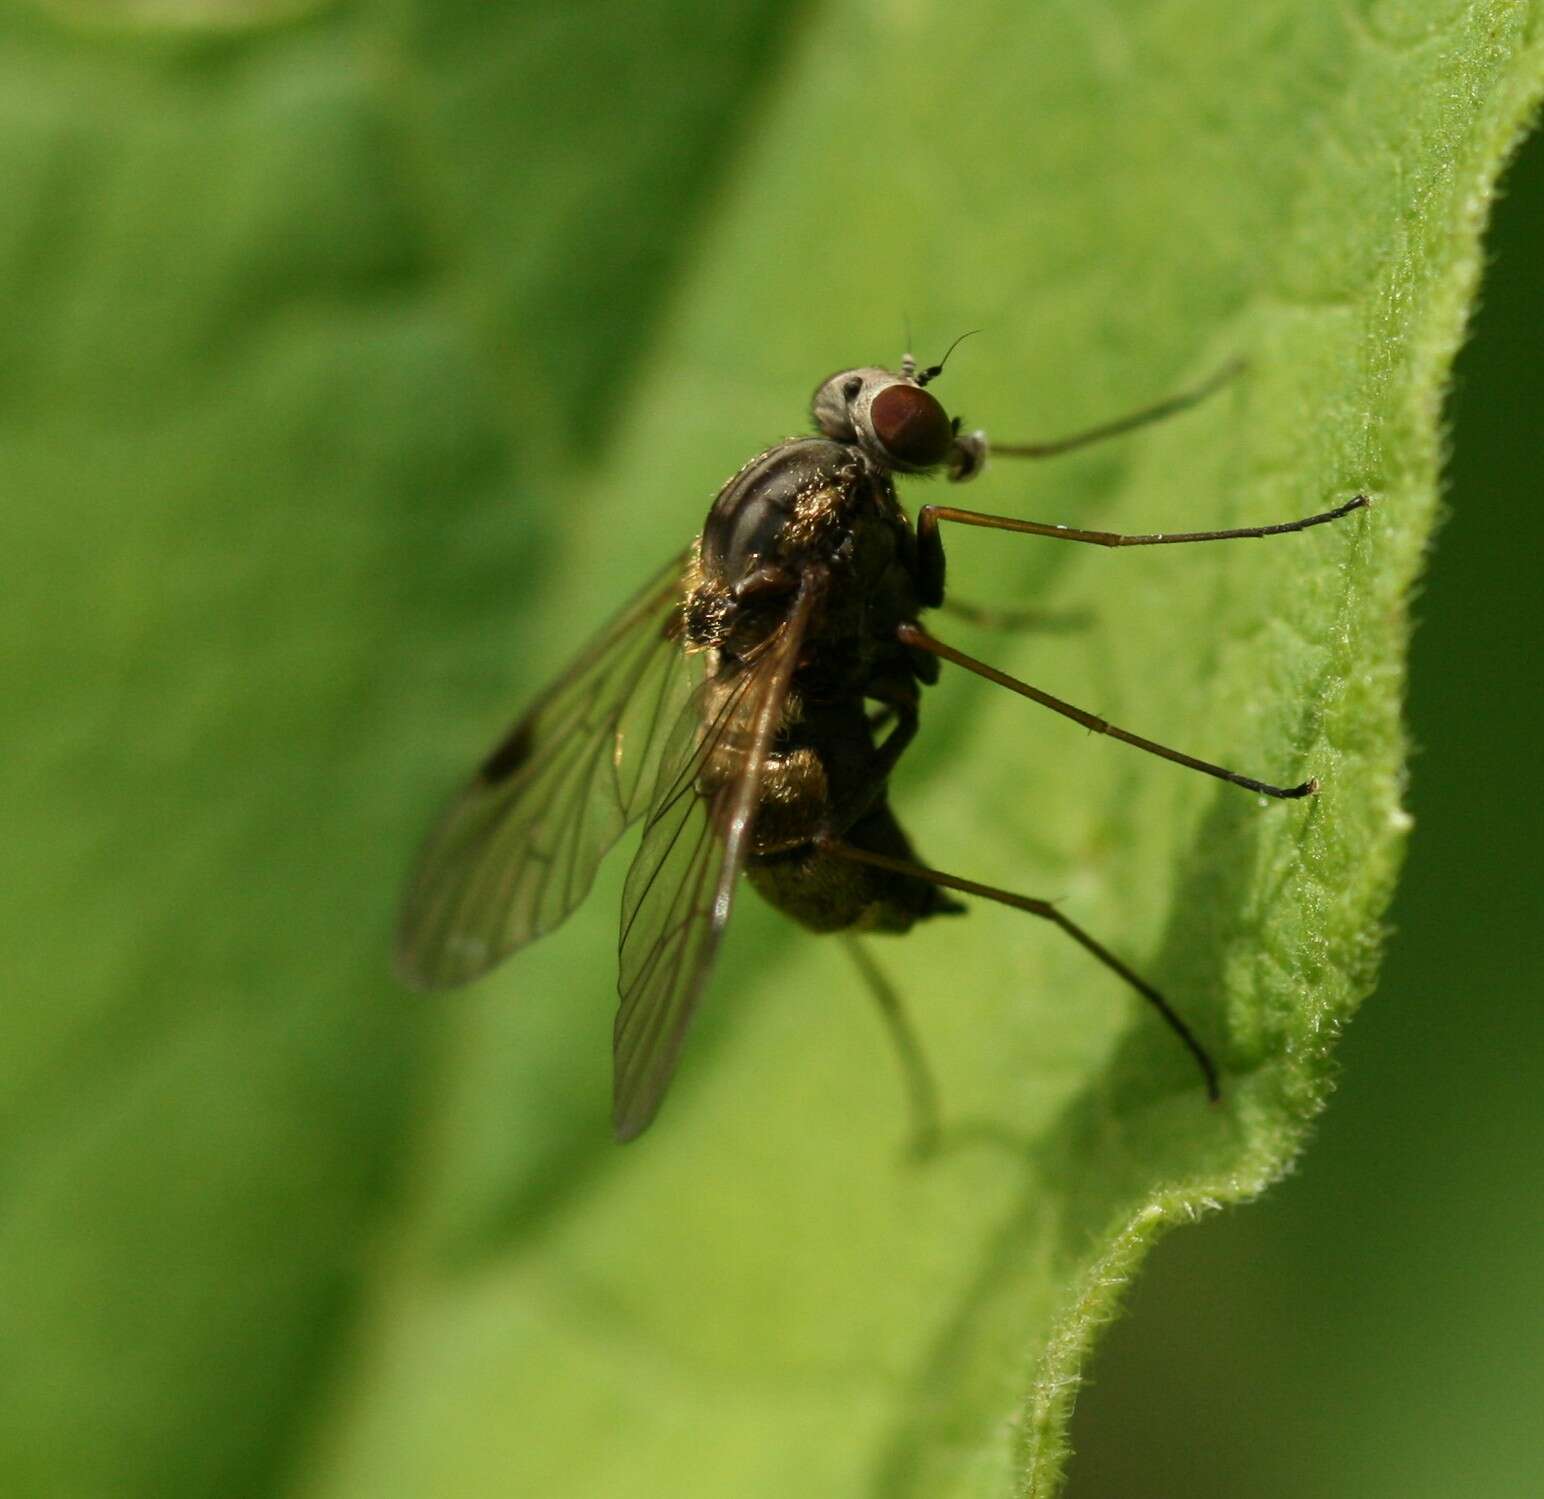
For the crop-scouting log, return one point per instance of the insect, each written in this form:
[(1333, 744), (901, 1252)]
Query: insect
[(749, 704)]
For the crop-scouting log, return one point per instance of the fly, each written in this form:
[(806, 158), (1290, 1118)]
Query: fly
[(749, 704)]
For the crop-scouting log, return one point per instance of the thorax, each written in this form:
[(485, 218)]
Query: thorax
[(806, 503)]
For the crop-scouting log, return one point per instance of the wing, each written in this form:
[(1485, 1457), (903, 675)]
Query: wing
[(518, 848), (681, 884)]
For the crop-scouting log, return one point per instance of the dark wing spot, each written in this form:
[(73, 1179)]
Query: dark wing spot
[(510, 754)]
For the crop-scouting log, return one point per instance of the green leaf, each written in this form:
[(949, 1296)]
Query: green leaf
[(356, 361)]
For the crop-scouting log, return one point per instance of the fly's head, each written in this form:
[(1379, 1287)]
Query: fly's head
[(897, 424)]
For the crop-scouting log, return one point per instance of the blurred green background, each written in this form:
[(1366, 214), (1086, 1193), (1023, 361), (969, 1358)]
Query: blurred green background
[(1375, 1325), (331, 350)]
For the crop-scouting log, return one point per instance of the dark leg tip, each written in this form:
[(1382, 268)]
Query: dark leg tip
[(1310, 787)]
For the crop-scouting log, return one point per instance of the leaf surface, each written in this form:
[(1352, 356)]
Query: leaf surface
[(361, 359)]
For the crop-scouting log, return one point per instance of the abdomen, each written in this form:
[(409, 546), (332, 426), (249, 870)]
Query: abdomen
[(826, 893)]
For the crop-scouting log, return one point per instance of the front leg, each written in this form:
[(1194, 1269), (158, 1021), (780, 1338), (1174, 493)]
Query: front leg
[(930, 547), (930, 558)]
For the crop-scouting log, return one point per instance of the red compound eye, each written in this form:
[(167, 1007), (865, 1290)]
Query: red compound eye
[(911, 426)]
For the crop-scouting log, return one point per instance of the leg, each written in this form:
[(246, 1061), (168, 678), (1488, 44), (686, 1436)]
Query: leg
[(930, 546), (920, 640), (930, 515), (1122, 424), (1045, 909), (971, 448), (920, 1089), (897, 711), (901, 704)]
